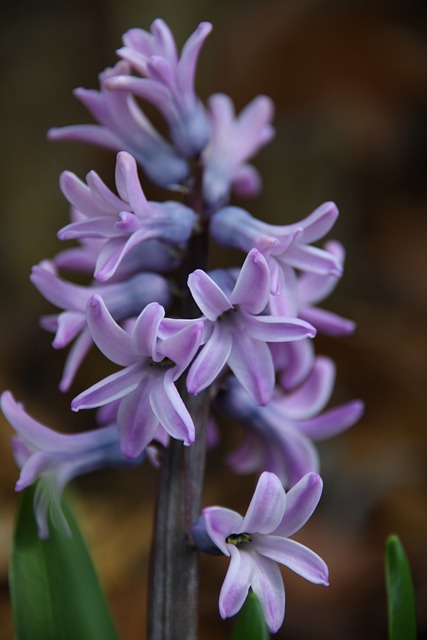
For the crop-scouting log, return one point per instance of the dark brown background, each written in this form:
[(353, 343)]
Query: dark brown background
[(350, 83)]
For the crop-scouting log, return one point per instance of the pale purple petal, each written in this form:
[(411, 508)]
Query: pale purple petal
[(109, 389), (332, 422), (136, 421), (75, 357), (251, 362), (300, 359), (295, 556), (181, 347), (110, 338), (267, 506), (236, 584), (301, 501), (210, 361), (146, 329), (276, 329), (312, 396), (252, 289), (220, 523), (319, 222), (308, 258), (208, 296), (267, 584), (327, 322), (68, 326), (171, 411)]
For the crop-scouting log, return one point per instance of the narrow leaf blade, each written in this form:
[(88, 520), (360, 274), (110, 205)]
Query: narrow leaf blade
[(400, 592), (55, 592), (250, 623)]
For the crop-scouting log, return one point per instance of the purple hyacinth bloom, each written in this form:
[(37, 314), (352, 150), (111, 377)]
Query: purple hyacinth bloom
[(239, 334), (54, 459), (279, 437), (145, 387), (299, 295), (256, 542), (123, 299), (125, 222), (168, 81), (286, 245), (151, 255), (233, 141), (123, 126)]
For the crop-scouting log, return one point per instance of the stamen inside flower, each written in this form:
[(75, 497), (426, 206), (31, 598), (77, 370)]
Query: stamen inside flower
[(166, 363), (238, 538)]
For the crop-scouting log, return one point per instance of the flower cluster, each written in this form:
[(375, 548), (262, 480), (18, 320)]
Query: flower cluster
[(251, 342)]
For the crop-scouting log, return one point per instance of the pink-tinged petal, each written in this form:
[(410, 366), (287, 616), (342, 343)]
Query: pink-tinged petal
[(189, 55), (319, 222), (249, 456), (301, 501), (313, 394), (109, 258), (171, 411), (276, 329), (109, 337), (267, 506), (284, 298), (77, 193), (100, 227), (220, 523), (208, 296), (251, 362), (89, 133), (103, 197), (32, 431), (308, 258), (182, 347), (210, 361), (146, 329), (332, 422), (75, 357), (136, 421), (111, 388), (56, 290), (327, 322), (252, 288), (247, 181), (300, 361), (267, 584), (128, 184), (236, 585), (69, 325), (295, 556)]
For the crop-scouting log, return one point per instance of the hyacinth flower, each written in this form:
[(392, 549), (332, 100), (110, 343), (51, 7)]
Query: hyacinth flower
[(279, 437), (125, 222), (145, 386), (233, 141), (239, 333), (53, 459), (123, 299), (256, 542), (123, 126), (151, 255), (284, 245), (168, 81)]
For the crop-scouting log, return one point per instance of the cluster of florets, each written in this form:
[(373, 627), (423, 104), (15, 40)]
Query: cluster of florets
[(251, 344)]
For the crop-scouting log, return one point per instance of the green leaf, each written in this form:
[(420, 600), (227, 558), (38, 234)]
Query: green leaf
[(400, 593), (54, 589), (250, 624)]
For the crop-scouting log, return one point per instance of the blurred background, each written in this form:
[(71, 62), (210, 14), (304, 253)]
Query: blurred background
[(349, 80)]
